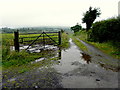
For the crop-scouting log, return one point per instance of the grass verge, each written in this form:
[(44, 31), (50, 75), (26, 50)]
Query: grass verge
[(106, 47), (79, 44)]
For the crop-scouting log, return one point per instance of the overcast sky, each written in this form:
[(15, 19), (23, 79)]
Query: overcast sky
[(21, 13)]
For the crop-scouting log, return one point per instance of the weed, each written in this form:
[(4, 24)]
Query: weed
[(23, 70), (65, 40)]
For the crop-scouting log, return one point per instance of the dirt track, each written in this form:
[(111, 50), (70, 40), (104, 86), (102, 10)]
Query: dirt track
[(73, 70)]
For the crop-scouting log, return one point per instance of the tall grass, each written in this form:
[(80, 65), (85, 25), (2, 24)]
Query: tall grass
[(19, 58), (12, 58)]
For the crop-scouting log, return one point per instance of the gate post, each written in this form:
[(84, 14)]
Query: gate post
[(16, 40), (59, 51), (59, 36), (43, 40)]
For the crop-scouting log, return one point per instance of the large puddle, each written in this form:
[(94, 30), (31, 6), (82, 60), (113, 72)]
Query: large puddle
[(70, 59), (78, 70)]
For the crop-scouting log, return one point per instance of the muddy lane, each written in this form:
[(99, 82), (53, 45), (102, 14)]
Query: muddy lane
[(75, 69), (78, 71)]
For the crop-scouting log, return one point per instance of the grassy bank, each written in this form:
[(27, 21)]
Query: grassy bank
[(79, 44), (107, 47), (12, 58)]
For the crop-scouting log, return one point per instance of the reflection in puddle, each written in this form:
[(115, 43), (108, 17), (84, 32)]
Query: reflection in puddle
[(48, 51), (86, 57), (71, 59), (40, 59), (12, 79)]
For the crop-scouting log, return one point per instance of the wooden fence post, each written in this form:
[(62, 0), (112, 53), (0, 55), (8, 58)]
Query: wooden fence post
[(16, 41), (59, 37)]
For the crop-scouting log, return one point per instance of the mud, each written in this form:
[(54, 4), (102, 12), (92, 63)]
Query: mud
[(108, 67), (40, 78)]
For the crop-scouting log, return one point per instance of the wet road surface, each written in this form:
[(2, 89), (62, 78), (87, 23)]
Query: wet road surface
[(101, 58), (75, 69), (80, 73)]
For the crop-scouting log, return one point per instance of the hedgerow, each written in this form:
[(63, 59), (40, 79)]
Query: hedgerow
[(106, 30)]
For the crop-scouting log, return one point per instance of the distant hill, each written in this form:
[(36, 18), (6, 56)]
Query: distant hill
[(35, 29)]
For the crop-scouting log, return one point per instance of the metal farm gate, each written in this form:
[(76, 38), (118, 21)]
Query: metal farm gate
[(43, 38)]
